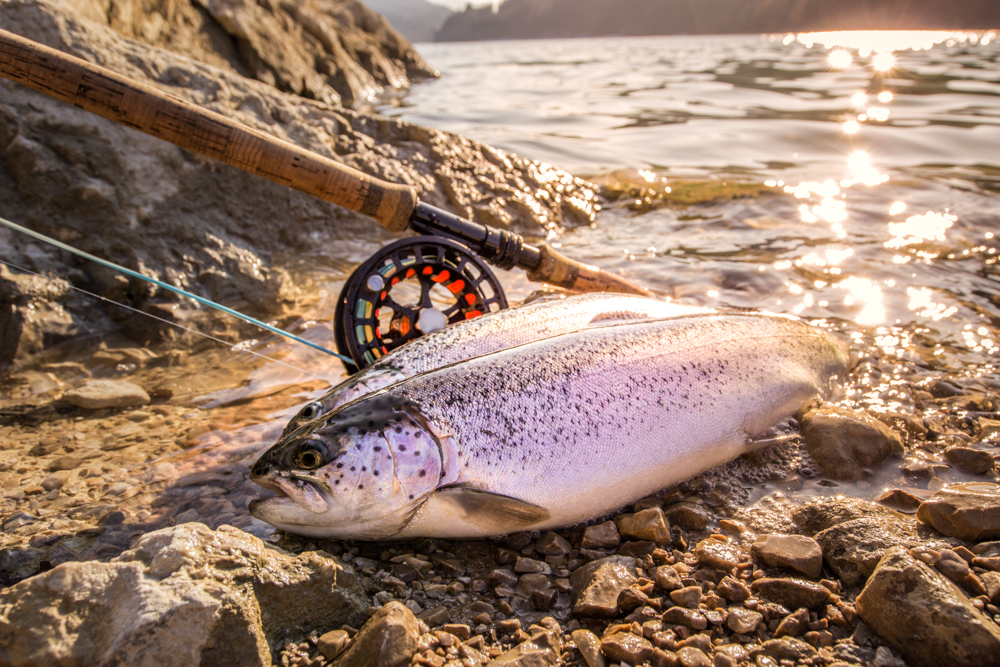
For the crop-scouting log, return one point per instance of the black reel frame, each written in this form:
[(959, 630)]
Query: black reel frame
[(409, 288)]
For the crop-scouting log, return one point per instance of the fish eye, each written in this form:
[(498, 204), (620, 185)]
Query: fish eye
[(309, 459), (311, 411)]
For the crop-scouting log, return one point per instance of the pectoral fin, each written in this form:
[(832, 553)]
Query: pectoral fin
[(493, 511)]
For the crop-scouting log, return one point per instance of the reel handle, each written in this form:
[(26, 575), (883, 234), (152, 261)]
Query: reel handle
[(147, 109)]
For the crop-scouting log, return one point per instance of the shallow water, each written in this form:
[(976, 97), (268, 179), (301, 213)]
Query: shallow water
[(878, 221)]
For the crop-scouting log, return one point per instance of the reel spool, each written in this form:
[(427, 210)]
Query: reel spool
[(408, 288)]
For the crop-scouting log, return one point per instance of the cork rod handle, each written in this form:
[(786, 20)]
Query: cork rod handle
[(189, 126)]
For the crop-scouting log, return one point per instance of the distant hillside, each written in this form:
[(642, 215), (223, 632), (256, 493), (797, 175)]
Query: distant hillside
[(532, 19), (416, 20)]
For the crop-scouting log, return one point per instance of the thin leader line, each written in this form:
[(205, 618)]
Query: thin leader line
[(178, 290), (175, 324)]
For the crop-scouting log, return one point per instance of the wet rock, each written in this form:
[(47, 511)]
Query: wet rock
[(597, 585), (524, 565), (551, 544), (602, 535), (718, 553), (818, 515), (689, 596), (689, 618), (924, 616), (968, 511), (589, 647), (733, 590), (185, 595), (692, 657), (786, 648), (690, 516), (649, 524), (388, 639), (795, 552), (542, 648), (742, 620), (853, 548), (97, 394), (627, 647), (667, 578), (848, 444), (900, 500), (791, 593), (967, 459), (793, 625), (333, 643)]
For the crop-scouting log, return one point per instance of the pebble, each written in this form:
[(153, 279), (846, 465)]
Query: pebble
[(627, 647), (794, 552), (718, 553), (687, 515), (331, 644), (791, 593), (648, 524), (589, 647), (689, 596), (667, 578), (597, 585), (848, 444), (600, 536), (692, 657), (967, 510), (689, 618), (743, 621), (97, 394), (551, 544)]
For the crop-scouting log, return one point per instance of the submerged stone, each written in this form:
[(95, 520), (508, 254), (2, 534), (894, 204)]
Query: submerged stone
[(97, 394)]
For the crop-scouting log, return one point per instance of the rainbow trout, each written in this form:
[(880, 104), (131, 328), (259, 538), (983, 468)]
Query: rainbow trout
[(492, 332), (546, 434)]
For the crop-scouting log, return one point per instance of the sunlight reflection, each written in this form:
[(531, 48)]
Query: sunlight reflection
[(920, 300), (880, 114), (866, 293), (919, 228), (839, 59), (897, 207), (851, 127), (859, 163), (859, 100), (883, 62), (866, 42), (885, 97)]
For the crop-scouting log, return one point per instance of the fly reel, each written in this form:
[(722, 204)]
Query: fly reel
[(409, 288)]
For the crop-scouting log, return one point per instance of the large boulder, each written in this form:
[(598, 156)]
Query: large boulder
[(185, 595), (195, 223)]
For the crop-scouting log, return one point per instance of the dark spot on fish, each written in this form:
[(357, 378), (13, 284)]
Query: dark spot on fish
[(423, 473), (378, 449), (339, 466), (418, 434), (399, 429), (361, 486), (411, 496), (336, 481), (371, 423), (364, 469), (402, 448), (416, 453), (375, 472), (352, 468)]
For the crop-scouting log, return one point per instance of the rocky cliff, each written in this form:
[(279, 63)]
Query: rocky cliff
[(534, 19), (206, 227)]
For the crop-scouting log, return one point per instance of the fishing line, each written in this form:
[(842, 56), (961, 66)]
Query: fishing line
[(165, 321), (135, 274)]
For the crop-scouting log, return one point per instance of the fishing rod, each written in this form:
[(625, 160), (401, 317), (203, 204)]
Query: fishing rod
[(440, 257)]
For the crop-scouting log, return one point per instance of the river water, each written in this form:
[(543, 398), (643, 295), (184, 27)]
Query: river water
[(870, 169)]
